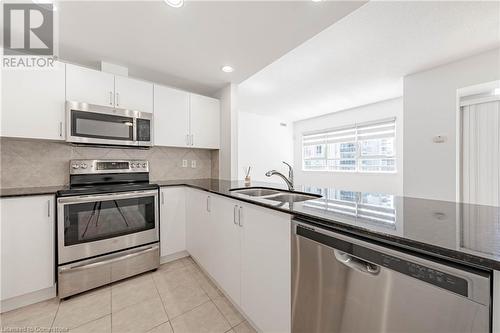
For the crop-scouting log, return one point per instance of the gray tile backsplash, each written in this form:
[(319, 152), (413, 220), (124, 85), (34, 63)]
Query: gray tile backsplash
[(31, 163)]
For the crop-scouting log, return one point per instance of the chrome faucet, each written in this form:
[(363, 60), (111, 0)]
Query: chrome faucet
[(289, 180)]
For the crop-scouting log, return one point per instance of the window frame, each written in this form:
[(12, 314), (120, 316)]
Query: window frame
[(357, 143)]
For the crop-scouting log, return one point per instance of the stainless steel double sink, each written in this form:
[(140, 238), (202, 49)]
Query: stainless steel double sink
[(275, 194)]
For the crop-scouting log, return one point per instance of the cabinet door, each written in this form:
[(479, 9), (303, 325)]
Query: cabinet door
[(133, 94), (226, 245), (89, 86), (266, 275), (33, 103), (171, 117), (198, 240), (205, 121), (172, 220), (27, 244)]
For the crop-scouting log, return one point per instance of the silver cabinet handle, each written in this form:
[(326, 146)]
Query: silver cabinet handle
[(162, 198), (117, 99), (208, 204), (48, 208), (239, 216), (234, 214), (192, 139), (110, 98), (60, 129)]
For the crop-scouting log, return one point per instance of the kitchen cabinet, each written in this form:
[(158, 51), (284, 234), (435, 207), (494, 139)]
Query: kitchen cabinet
[(89, 86), (246, 250), (133, 94), (27, 245), (172, 220), (101, 88), (205, 122), (198, 232), (33, 103), (226, 245), (171, 123), (183, 119), (266, 268)]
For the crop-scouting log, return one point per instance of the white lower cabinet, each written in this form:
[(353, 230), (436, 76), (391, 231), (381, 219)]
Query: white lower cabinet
[(246, 250), (266, 268), (27, 245), (172, 220)]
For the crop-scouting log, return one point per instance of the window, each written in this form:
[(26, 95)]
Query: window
[(368, 147)]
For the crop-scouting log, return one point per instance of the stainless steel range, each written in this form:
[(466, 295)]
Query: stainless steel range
[(107, 224)]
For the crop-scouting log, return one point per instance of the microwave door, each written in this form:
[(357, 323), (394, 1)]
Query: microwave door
[(100, 128)]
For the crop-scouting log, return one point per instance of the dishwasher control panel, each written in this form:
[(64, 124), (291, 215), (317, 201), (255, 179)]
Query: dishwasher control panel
[(443, 280)]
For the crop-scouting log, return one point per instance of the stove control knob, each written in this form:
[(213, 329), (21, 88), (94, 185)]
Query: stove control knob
[(75, 166), (132, 165), (144, 165), (83, 166)]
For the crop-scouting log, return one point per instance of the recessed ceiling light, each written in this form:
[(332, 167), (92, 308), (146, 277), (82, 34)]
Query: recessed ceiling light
[(227, 69), (175, 3), (316, 0)]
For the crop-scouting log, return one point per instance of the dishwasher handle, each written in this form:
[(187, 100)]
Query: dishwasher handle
[(356, 263)]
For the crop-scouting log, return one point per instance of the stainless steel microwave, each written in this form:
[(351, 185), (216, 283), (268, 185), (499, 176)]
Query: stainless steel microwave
[(104, 125)]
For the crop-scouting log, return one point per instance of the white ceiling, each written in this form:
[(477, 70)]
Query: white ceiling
[(362, 58), (186, 47)]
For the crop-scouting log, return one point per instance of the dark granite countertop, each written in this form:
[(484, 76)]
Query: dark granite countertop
[(463, 233)]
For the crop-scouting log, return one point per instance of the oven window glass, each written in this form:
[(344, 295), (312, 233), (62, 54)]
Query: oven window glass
[(102, 126), (91, 221)]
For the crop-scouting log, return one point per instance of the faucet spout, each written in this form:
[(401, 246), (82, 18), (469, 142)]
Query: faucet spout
[(288, 181)]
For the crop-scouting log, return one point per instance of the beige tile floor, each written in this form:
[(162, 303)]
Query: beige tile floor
[(178, 298)]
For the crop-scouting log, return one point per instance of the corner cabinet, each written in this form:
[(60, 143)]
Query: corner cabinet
[(183, 119), (172, 221), (33, 103), (246, 250), (27, 245)]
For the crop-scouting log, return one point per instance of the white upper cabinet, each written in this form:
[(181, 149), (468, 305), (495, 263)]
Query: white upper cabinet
[(205, 122), (27, 245), (89, 86), (133, 94), (171, 123), (33, 103)]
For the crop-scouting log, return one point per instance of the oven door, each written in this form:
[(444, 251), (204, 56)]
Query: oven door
[(92, 225)]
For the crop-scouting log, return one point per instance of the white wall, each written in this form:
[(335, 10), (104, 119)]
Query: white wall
[(263, 143), (228, 153), (385, 183), (430, 109)]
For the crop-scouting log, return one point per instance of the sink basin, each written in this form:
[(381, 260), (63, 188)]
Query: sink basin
[(293, 197), (256, 191), (275, 194)]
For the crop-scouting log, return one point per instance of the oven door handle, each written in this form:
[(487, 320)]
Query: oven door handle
[(107, 196), (97, 262)]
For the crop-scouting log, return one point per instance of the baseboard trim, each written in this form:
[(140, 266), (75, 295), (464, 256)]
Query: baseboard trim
[(173, 256), (27, 299)]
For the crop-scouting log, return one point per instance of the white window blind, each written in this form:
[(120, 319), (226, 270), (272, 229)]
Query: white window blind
[(367, 147)]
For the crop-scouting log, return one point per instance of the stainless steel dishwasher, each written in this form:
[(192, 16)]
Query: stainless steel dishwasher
[(343, 284)]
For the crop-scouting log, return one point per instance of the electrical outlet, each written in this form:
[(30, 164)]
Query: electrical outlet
[(193, 164), (184, 163)]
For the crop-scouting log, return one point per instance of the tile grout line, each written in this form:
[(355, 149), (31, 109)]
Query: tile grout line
[(55, 315)]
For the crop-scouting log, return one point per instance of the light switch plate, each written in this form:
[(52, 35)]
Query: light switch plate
[(184, 163), (193, 164)]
